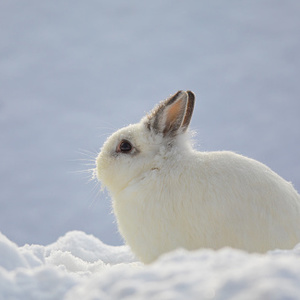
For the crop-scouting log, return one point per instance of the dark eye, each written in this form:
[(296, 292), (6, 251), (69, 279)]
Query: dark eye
[(124, 147)]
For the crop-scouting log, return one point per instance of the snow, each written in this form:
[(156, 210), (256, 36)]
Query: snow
[(72, 72), (80, 266), (48, 272)]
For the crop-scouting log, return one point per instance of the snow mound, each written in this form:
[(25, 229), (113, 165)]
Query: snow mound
[(204, 274), (48, 272), (80, 266)]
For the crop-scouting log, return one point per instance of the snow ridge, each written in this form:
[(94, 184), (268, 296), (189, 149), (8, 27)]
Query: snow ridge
[(80, 266)]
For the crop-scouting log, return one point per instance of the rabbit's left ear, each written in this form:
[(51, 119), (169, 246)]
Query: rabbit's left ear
[(173, 115)]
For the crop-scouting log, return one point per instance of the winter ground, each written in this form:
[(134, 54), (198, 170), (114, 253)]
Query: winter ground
[(72, 72), (80, 266)]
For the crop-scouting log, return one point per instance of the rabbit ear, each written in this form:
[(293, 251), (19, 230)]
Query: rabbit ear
[(189, 111), (172, 115)]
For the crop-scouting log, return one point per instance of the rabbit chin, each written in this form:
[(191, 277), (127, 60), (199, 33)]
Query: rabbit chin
[(208, 200)]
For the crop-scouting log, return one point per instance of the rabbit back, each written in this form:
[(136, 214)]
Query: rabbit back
[(208, 200)]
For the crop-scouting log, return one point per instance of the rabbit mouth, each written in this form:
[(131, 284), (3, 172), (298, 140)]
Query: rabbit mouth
[(155, 168)]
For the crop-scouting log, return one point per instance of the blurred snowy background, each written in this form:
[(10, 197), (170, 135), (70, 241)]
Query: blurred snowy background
[(72, 72)]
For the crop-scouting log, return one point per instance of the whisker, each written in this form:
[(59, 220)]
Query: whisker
[(86, 171), (88, 153), (86, 164), (108, 125), (87, 161), (96, 192)]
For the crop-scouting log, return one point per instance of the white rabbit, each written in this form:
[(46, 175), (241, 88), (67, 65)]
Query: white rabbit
[(167, 195)]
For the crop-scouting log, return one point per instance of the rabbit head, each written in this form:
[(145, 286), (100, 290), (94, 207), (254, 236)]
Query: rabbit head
[(140, 147)]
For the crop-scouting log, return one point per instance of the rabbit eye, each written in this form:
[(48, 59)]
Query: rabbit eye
[(124, 147)]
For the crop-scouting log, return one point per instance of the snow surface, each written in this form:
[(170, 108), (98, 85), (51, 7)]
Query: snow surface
[(72, 72), (80, 266)]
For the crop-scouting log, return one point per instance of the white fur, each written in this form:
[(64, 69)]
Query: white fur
[(165, 197)]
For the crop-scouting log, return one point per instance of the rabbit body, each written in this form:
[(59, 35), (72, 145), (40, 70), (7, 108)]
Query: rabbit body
[(167, 195)]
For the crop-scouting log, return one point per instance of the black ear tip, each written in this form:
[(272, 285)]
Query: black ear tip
[(178, 94), (175, 97), (191, 95)]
